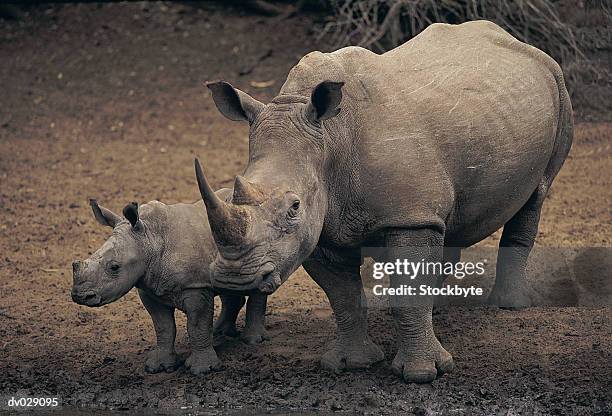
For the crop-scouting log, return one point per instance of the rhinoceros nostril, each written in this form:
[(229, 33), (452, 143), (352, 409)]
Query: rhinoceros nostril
[(266, 269)]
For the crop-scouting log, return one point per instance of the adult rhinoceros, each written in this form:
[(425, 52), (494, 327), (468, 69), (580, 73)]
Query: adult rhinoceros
[(439, 142)]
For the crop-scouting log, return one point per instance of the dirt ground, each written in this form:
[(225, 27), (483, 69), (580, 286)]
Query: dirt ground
[(108, 102)]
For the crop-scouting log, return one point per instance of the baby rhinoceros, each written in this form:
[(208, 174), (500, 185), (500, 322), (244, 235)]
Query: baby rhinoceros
[(165, 251)]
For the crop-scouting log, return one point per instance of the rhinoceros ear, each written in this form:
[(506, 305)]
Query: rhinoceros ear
[(233, 103), (131, 213), (103, 215), (324, 101)]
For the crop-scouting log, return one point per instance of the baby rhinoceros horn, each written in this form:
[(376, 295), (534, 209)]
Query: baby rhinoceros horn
[(229, 223)]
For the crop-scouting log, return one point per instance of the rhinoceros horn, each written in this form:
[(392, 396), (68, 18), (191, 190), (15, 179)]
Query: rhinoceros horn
[(246, 193), (228, 223)]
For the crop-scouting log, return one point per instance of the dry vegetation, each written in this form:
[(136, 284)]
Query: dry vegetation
[(383, 24)]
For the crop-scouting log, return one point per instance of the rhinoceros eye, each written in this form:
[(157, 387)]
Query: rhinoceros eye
[(114, 267), (293, 210)]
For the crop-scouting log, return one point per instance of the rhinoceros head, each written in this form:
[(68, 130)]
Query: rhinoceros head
[(115, 267), (275, 215)]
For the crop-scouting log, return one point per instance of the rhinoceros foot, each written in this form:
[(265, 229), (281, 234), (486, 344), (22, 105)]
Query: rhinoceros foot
[(356, 356), (225, 329), (202, 362), (416, 366), (160, 361), (517, 296), (253, 338)]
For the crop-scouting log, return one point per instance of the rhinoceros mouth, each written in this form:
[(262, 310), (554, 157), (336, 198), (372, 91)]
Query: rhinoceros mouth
[(226, 279), (89, 298)]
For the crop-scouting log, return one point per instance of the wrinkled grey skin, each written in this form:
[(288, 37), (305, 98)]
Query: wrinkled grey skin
[(165, 251), (433, 145)]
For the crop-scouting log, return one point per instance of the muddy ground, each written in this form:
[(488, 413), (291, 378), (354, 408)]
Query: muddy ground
[(108, 102)]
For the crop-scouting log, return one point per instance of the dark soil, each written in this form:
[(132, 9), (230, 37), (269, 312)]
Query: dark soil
[(108, 102)]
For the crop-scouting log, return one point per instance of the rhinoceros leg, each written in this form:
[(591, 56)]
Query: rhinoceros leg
[(162, 358), (352, 348), (199, 307), (230, 307), (254, 328), (450, 255), (420, 356), (511, 289)]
